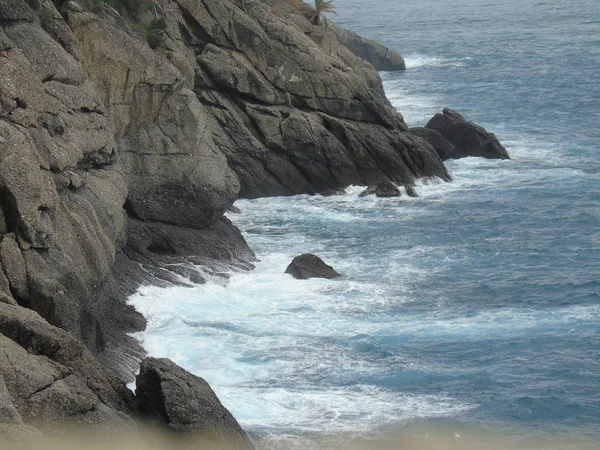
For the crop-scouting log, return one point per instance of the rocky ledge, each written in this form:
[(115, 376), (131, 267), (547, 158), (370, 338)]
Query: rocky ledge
[(124, 139)]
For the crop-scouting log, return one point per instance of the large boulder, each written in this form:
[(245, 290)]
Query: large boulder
[(169, 395), (307, 266), (444, 148), (468, 138)]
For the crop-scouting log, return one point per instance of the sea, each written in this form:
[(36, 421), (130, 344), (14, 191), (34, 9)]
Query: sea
[(475, 306)]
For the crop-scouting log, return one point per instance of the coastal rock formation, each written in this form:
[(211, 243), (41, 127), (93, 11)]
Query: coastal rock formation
[(121, 151), (444, 148), (308, 266), (468, 138), (381, 57), (169, 395), (383, 189), (48, 376)]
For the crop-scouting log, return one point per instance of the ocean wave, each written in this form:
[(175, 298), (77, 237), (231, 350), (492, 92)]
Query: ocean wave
[(418, 61)]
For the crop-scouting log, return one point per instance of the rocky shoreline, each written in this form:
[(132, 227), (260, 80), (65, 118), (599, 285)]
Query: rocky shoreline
[(123, 143)]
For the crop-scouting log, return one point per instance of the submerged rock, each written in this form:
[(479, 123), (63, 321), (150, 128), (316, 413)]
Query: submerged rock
[(170, 395), (384, 189), (468, 138), (308, 266)]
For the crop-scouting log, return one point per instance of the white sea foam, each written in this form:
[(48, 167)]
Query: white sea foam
[(417, 61)]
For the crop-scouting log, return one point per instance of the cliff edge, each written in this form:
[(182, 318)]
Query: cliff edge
[(123, 142)]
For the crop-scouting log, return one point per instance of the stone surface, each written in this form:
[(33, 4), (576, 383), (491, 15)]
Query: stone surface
[(381, 57), (444, 148), (383, 189), (169, 395), (117, 164), (51, 376), (468, 138), (410, 191), (307, 266)]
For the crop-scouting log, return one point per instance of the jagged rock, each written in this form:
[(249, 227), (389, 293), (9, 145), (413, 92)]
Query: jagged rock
[(308, 266), (50, 376), (184, 402), (117, 160), (383, 189), (381, 57), (468, 138), (444, 148)]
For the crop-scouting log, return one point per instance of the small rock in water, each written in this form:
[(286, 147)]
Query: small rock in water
[(410, 190), (234, 210), (383, 189), (308, 266)]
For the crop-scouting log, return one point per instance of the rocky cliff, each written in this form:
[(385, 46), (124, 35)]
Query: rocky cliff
[(123, 142)]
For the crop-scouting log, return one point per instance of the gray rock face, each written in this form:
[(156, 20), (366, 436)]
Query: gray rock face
[(47, 375), (383, 189), (468, 138), (308, 266), (117, 161), (381, 57), (184, 402), (444, 148)]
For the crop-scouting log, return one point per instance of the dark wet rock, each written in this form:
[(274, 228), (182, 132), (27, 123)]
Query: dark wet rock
[(308, 266), (468, 138), (368, 191), (444, 148), (384, 189), (410, 190), (171, 396)]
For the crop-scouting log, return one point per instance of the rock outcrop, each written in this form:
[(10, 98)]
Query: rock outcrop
[(49, 376), (383, 189), (444, 148), (307, 266), (121, 151), (379, 56), (168, 395), (467, 138)]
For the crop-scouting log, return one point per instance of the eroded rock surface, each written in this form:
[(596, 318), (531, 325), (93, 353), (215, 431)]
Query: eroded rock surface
[(183, 402), (468, 139), (381, 57), (118, 162)]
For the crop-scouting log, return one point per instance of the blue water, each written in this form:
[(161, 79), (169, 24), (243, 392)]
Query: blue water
[(476, 305)]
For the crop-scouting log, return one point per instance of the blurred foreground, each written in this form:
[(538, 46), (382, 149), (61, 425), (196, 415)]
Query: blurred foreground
[(149, 438)]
